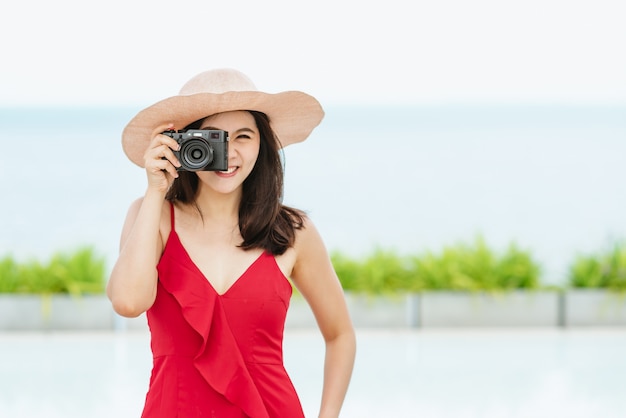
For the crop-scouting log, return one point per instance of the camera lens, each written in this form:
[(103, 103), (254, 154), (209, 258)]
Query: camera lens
[(195, 154)]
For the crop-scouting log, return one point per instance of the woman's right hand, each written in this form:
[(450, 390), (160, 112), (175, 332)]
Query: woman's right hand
[(159, 160)]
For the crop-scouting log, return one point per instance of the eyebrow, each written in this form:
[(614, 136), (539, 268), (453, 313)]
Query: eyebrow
[(236, 132)]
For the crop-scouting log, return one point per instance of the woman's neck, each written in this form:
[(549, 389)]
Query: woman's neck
[(218, 206)]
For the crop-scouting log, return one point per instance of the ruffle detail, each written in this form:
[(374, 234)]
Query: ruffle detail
[(219, 359)]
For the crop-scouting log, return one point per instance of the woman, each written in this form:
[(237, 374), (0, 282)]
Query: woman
[(207, 255)]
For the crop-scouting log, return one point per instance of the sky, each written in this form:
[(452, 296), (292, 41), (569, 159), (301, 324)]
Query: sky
[(136, 52)]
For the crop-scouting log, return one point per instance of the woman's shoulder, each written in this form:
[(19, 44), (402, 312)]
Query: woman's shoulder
[(136, 204), (165, 215), (308, 237)]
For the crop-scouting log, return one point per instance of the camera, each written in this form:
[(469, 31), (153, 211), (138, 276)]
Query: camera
[(201, 149)]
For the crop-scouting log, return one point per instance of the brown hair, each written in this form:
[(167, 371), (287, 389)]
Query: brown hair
[(264, 222)]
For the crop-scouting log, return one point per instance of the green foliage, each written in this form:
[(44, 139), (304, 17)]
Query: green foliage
[(603, 270), (381, 272), (476, 267), (465, 267), (79, 272)]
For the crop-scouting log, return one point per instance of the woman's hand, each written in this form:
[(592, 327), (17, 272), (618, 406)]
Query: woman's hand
[(159, 160)]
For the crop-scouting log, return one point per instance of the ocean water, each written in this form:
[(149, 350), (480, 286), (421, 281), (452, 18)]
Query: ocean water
[(411, 179)]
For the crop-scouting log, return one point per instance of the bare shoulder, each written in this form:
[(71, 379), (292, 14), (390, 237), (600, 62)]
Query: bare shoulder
[(133, 213), (135, 207), (304, 239), (310, 252), (308, 237)]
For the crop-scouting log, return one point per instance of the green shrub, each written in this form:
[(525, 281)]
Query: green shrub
[(603, 270), (348, 270), (79, 272), (381, 272), (9, 275), (465, 267), (476, 267)]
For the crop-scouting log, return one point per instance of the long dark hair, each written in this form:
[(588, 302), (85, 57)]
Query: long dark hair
[(264, 222)]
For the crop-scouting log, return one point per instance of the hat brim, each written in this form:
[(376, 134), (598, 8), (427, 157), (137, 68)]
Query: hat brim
[(293, 115)]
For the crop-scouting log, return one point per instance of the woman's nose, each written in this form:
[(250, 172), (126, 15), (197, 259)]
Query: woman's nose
[(232, 150)]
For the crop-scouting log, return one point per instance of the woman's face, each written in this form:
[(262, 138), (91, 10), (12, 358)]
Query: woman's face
[(243, 150)]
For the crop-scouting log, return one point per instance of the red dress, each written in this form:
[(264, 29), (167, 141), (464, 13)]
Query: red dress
[(218, 355)]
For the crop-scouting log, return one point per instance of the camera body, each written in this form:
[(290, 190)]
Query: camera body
[(201, 149)]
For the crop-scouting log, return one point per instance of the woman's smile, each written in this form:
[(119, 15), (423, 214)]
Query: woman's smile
[(232, 170)]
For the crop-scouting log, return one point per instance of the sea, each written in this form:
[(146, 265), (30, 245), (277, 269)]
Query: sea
[(410, 179)]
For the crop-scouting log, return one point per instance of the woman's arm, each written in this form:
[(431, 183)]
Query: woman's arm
[(315, 277), (133, 281), (132, 285)]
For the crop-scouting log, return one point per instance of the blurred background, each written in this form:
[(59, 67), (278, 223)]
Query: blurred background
[(445, 121)]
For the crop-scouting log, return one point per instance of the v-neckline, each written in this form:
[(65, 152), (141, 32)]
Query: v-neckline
[(205, 278)]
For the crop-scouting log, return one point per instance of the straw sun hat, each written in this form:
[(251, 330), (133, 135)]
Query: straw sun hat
[(292, 114)]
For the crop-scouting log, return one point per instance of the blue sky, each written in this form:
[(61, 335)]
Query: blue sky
[(398, 51)]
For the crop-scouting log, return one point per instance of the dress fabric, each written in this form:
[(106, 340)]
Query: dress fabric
[(218, 355)]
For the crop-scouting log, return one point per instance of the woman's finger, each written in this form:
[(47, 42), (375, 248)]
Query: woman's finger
[(166, 166)]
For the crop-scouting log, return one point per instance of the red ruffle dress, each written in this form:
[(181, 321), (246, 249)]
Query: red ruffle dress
[(218, 355)]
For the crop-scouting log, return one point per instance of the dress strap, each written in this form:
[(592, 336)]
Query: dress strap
[(172, 215)]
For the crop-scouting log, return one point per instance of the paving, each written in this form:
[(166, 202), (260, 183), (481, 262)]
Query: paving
[(482, 373)]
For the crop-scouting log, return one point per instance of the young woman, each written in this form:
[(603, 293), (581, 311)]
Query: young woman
[(207, 255)]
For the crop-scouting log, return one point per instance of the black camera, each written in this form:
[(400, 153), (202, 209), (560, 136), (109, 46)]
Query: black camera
[(201, 149)]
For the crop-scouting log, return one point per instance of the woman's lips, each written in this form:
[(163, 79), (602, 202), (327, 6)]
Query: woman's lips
[(229, 173)]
